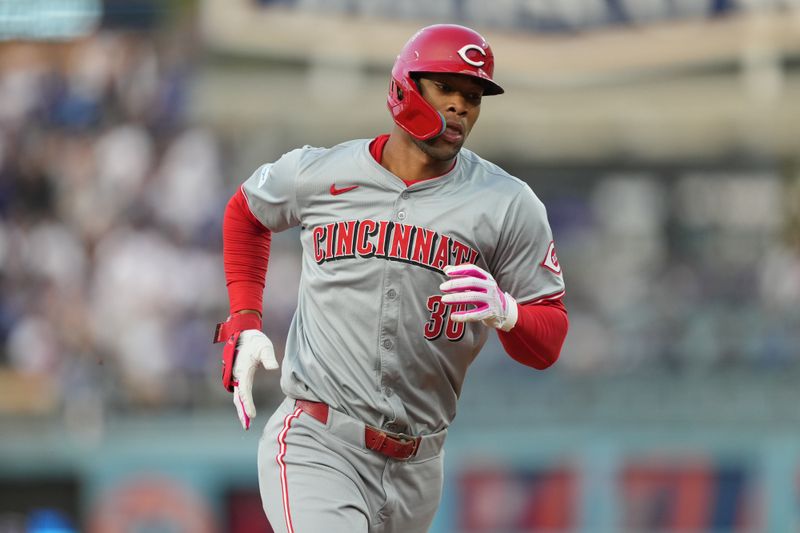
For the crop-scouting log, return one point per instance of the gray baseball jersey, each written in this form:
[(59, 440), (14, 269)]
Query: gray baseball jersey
[(370, 336)]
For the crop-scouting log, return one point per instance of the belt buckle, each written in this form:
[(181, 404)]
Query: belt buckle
[(407, 439)]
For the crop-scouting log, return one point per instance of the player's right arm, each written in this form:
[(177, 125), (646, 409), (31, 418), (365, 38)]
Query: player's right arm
[(266, 202), (245, 254), (246, 235)]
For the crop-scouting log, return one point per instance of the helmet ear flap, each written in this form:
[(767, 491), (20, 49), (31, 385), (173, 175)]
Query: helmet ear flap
[(413, 113)]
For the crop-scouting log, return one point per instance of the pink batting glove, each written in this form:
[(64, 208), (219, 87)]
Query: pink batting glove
[(469, 284)]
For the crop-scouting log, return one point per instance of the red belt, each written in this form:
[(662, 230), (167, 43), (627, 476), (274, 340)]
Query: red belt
[(394, 445)]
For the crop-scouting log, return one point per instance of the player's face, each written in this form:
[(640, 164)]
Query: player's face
[(458, 99)]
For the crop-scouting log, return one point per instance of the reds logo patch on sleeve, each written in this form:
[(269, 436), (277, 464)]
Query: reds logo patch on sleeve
[(551, 259)]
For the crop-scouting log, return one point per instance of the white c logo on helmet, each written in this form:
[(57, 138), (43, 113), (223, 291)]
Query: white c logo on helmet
[(466, 48)]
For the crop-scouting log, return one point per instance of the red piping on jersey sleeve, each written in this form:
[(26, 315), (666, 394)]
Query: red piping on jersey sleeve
[(537, 337), (245, 254)]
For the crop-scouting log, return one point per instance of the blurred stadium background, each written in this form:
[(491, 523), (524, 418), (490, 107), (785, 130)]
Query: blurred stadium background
[(663, 135)]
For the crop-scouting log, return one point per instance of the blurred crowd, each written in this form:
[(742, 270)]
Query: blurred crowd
[(541, 16), (682, 271), (111, 279), (110, 208)]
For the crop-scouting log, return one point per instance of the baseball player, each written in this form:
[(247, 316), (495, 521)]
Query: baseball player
[(414, 249)]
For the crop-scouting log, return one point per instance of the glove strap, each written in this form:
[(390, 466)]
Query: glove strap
[(234, 323), (229, 352), (512, 313)]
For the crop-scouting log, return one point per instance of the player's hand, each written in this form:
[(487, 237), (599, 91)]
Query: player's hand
[(469, 284), (252, 349)]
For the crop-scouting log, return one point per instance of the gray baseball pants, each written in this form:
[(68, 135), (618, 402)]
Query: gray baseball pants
[(317, 477)]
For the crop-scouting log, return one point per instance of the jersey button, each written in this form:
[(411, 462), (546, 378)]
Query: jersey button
[(401, 215), (391, 294), (404, 196), (387, 344)]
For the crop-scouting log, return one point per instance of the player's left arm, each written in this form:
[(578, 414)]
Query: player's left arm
[(524, 265), (531, 333), (538, 335)]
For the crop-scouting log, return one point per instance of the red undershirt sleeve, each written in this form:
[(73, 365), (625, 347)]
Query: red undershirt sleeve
[(245, 254), (538, 335)]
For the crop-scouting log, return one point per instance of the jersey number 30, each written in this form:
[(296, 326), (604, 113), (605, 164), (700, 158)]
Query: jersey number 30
[(440, 320)]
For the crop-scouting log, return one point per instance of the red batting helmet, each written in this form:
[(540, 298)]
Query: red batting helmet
[(446, 48)]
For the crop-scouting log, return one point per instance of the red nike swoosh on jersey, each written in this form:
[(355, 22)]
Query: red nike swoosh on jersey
[(335, 191)]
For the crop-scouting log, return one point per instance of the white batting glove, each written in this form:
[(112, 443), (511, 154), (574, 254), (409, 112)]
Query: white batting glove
[(252, 348), (469, 284)]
